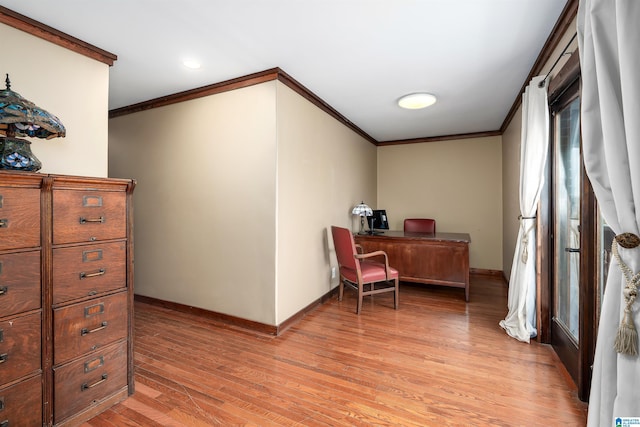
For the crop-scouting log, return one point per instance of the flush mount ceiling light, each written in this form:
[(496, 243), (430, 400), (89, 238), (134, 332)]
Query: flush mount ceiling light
[(190, 63), (415, 101)]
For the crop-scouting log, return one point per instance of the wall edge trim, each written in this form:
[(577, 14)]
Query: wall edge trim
[(45, 32)]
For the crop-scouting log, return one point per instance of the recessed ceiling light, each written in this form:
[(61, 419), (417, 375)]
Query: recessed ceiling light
[(190, 63), (415, 101)]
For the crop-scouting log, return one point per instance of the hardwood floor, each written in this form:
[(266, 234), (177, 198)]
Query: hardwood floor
[(437, 361)]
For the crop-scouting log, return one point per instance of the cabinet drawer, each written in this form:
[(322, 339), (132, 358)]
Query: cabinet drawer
[(19, 282), (21, 404), (20, 345), (88, 325), (19, 218), (88, 216), (88, 270), (94, 377)]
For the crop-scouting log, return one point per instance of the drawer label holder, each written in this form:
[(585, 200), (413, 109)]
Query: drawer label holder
[(92, 310), (94, 364), (92, 201), (93, 255)]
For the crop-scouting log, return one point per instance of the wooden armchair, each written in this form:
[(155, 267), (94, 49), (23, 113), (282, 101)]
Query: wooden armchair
[(360, 272)]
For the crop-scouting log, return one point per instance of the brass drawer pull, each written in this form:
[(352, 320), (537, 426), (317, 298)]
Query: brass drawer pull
[(4, 223), (3, 358), (100, 272), (85, 331), (3, 290), (84, 220), (86, 386)]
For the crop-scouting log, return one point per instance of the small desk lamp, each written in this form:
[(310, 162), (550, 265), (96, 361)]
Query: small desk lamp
[(20, 117), (362, 210)]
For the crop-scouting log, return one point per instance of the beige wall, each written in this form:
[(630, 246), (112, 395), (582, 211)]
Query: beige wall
[(324, 169), (235, 194), (510, 189), (69, 85), (205, 200), (511, 160), (459, 183)]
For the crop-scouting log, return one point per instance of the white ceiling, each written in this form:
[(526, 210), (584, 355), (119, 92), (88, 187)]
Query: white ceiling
[(359, 56)]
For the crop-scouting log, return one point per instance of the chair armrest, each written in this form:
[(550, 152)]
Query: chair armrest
[(375, 254), (359, 249)]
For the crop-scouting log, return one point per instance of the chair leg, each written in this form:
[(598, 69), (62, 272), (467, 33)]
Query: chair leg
[(341, 289), (359, 306), (396, 294)]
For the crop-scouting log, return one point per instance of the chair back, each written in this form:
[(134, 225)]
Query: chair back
[(345, 247), (420, 225)]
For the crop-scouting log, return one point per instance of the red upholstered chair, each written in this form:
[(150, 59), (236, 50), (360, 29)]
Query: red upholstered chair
[(360, 271), (420, 225)]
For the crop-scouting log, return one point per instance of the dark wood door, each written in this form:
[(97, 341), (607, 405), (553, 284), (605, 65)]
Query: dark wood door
[(566, 226), (571, 244)]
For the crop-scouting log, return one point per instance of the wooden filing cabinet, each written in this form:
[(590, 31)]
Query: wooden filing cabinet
[(66, 290), (21, 312)]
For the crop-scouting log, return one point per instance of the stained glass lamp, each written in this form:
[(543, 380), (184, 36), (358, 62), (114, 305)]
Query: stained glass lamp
[(20, 117), (362, 210)]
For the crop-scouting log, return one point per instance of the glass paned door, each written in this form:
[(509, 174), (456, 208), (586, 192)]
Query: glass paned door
[(567, 188), (605, 238)]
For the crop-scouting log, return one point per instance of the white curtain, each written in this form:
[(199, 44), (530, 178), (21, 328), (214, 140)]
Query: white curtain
[(520, 322), (609, 44)]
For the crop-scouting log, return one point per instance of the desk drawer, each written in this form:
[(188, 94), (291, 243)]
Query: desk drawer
[(91, 378), (19, 282), (89, 325), (21, 404), (19, 218), (20, 344), (88, 270), (88, 216)]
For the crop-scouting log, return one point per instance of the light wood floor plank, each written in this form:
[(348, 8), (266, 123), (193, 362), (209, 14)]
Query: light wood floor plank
[(437, 361)]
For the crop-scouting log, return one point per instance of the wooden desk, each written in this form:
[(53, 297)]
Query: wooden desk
[(436, 259)]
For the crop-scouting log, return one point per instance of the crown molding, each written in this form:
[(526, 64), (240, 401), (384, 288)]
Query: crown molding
[(200, 92), (237, 83), (59, 38), (441, 138), (318, 102), (567, 16), (40, 30)]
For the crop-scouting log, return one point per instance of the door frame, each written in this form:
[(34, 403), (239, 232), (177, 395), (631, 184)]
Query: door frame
[(564, 88)]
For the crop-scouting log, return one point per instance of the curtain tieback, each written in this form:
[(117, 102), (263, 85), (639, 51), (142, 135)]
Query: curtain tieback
[(525, 237), (627, 337)]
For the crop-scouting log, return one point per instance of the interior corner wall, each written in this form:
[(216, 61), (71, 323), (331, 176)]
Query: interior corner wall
[(324, 170), (204, 203), (69, 85), (456, 182), (511, 158)]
